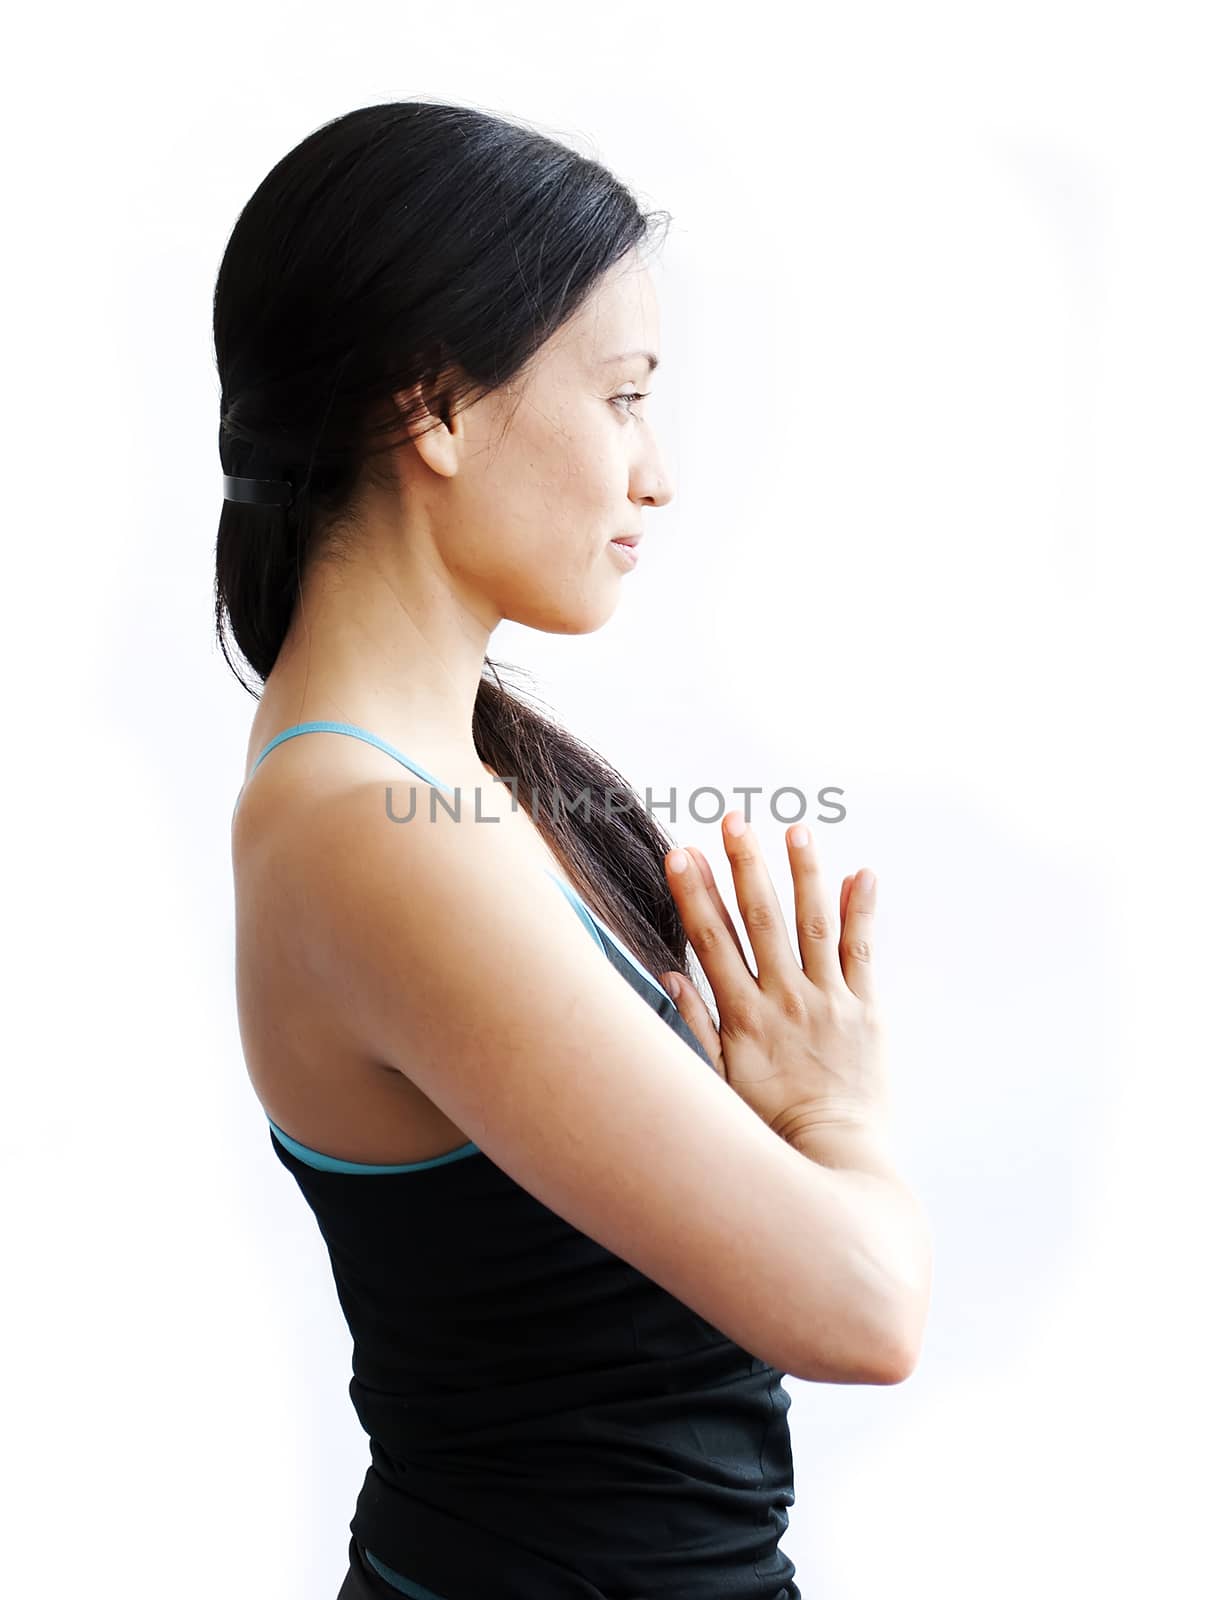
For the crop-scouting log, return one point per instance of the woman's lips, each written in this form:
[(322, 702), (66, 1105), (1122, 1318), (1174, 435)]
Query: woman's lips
[(625, 551)]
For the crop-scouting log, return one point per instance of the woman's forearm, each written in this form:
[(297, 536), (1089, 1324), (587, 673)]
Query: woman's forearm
[(889, 1233)]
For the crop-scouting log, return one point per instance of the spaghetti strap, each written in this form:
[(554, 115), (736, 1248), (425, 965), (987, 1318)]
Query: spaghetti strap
[(356, 733), (593, 923)]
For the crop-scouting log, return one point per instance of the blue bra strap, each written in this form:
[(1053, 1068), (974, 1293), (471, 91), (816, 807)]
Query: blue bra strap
[(594, 924), (356, 733)]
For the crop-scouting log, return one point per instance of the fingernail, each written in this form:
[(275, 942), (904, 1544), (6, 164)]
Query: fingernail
[(735, 824), (672, 987), (799, 838), (679, 862), (867, 883)]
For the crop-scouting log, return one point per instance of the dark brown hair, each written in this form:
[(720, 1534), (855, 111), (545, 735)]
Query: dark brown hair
[(401, 244)]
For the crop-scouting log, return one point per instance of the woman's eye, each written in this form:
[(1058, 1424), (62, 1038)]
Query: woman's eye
[(630, 398)]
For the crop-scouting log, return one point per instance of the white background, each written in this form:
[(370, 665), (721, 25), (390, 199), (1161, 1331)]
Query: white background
[(941, 392)]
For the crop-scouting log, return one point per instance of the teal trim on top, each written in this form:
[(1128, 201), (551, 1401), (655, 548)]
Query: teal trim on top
[(418, 1591), (326, 1163)]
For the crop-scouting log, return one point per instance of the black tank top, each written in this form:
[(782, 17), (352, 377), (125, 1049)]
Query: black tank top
[(545, 1421)]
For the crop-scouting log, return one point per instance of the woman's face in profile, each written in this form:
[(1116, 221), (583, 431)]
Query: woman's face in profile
[(532, 483)]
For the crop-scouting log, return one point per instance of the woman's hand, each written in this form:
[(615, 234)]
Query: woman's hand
[(801, 1041)]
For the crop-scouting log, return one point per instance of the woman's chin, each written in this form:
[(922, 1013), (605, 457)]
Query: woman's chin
[(567, 618)]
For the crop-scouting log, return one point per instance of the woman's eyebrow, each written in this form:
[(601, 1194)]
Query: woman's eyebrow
[(652, 360)]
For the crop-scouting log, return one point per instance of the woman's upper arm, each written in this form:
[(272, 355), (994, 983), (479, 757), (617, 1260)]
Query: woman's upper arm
[(475, 978)]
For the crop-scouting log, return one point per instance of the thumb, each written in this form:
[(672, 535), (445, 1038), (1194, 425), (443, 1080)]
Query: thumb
[(696, 1014)]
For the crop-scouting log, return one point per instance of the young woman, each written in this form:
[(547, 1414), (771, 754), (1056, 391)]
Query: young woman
[(579, 1229)]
